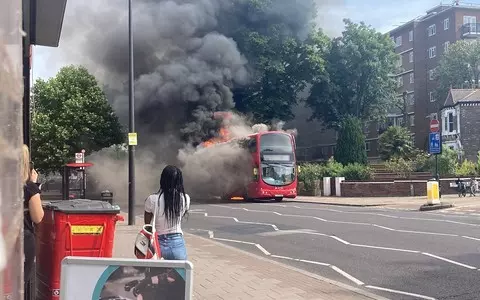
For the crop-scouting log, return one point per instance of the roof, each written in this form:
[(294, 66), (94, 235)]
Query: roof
[(435, 11), (456, 96)]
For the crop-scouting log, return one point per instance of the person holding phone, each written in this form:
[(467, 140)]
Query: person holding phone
[(32, 212)]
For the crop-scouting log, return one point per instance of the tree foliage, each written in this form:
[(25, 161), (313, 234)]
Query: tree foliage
[(351, 143), (459, 67), (71, 113), (447, 162), (281, 62), (357, 81), (395, 142)]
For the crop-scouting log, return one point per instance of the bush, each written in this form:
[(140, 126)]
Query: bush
[(400, 166), (309, 173), (357, 172), (332, 169), (447, 162), (351, 143), (467, 168)]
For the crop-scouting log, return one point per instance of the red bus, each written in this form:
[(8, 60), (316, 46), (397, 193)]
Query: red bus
[(274, 168)]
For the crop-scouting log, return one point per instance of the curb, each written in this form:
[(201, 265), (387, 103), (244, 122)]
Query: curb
[(442, 205), (335, 204), (306, 273)]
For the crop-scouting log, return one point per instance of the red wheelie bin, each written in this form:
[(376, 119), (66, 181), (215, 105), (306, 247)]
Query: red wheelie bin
[(77, 227)]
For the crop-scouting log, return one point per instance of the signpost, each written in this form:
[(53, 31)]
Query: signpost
[(435, 144), (107, 278)]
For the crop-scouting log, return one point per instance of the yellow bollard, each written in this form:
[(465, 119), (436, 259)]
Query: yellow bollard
[(433, 193)]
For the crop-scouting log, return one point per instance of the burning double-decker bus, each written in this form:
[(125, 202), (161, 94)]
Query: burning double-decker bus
[(274, 168)]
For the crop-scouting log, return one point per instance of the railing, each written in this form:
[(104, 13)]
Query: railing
[(470, 29)]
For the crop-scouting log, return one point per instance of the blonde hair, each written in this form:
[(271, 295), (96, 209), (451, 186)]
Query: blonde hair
[(25, 168)]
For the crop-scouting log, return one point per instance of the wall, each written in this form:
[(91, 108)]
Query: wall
[(11, 204), (470, 129), (393, 189)]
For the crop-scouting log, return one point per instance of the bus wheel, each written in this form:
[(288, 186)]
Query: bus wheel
[(279, 199)]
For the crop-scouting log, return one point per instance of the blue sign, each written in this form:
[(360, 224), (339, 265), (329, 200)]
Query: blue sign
[(435, 143)]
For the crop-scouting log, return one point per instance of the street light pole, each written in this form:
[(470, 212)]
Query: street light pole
[(131, 111)]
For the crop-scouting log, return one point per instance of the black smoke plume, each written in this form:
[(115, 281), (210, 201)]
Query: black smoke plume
[(186, 64)]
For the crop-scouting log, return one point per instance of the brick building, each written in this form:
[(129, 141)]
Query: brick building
[(460, 119), (420, 43)]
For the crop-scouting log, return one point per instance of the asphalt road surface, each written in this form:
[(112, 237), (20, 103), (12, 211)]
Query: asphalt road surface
[(397, 254)]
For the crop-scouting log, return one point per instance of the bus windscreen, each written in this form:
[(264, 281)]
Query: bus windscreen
[(276, 142)]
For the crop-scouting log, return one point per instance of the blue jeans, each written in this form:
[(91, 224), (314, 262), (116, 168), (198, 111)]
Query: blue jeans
[(172, 246)]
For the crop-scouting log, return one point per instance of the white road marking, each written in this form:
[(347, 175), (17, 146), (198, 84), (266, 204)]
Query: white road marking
[(333, 267), (385, 248), (399, 292), (285, 232), (363, 224), (450, 261), (358, 282), (350, 244)]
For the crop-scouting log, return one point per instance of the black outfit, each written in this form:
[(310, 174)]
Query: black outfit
[(30, 189)]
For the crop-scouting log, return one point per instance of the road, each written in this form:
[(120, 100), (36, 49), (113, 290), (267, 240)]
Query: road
[(398, 254)]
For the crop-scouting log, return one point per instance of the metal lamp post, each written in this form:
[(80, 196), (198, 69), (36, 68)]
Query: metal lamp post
[(131, 136)]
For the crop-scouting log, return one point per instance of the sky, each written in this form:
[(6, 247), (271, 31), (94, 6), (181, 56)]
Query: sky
[(384, 15)]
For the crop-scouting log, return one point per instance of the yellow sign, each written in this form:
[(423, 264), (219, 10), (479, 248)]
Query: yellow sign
[(132, 138), (87, 229)]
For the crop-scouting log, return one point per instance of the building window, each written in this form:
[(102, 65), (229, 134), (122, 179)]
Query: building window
[(451, 122), (400, 121), (410, 36), (367, 146), (431, 74), (366, 128), (400, 61), (410, 57), (398, 41), (446, 24), (432, 30), (411, 99), (412, 120), (432, 52), (445, 46), (400, 81), (412, 78), (432, 97)]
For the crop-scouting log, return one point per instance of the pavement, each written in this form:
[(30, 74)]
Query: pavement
[(225, 272), (394, 252)]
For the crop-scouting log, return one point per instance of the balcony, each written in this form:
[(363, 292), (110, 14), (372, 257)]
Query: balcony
[(470, 30)]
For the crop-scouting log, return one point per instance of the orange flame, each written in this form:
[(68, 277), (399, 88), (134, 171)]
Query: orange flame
[(224, 136)]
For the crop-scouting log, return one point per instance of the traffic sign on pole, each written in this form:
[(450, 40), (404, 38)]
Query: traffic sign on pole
[(435, 143), (434, 125)]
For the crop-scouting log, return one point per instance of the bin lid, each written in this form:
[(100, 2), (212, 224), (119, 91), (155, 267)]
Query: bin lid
[(82, 206)]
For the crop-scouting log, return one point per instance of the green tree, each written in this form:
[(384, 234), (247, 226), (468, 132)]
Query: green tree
[(351, 143), (459, 67), (281, 62), (395, 142), (358, 80), (467, 168), (71, 113), (447, 162)]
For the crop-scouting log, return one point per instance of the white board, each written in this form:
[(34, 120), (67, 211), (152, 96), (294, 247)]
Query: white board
[(85, 278)]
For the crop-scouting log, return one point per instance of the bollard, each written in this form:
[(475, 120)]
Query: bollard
[(433, 196), (106, 196)]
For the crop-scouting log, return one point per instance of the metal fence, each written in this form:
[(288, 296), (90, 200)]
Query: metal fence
[(11, 204)]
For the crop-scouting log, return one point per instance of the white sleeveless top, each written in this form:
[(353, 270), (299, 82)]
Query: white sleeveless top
[(161, 224)]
